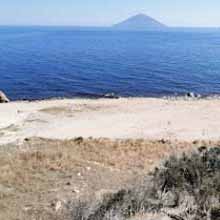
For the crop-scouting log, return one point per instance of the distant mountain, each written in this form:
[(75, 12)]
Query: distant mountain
[(139, 22)]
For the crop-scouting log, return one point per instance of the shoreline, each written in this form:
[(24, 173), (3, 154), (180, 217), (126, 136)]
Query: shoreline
[(146, 118), (111, 96)]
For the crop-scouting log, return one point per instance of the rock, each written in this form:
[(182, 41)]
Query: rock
[(5, 191), (79, 140), (198, 96), (88, 168), (58, 206), (202, 149), (27, 139), (111, 96), (76, 191), (3, 97), (186, 207), (163, 141), (169, 199), (104, 193), (151, 216), (191, 95), (195, 142)]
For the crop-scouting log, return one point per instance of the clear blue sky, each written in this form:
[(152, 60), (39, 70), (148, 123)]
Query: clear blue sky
[(107, 12)]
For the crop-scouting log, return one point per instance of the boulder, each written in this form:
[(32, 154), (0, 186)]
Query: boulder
[(3, 97)]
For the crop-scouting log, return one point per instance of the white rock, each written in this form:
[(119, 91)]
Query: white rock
[(58, 206)]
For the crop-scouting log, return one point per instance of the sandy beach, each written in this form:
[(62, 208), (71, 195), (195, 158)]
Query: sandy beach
[(146, 118)]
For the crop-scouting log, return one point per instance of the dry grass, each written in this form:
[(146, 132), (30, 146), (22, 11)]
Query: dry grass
[(38, 175)]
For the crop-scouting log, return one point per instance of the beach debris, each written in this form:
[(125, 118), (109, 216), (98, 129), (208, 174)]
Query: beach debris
[(3, 97)]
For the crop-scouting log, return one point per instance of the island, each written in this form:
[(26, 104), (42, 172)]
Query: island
[(140, 22)]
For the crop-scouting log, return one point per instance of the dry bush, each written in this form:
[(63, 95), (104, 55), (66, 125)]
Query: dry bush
[(184, 188)]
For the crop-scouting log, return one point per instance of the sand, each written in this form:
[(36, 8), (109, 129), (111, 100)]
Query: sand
[(147, 118)]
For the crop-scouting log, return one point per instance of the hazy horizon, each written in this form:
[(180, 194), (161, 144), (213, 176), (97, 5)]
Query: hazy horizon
[(99, 14)]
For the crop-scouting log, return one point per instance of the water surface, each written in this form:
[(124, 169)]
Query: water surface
[(47, 62)]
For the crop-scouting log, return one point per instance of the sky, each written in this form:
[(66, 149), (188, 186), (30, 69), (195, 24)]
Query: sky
[(202, 13)]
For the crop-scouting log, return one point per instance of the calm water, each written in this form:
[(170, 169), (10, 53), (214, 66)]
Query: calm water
[(45, 62)]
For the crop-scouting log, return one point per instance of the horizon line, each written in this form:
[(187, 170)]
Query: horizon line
[(93, 26)]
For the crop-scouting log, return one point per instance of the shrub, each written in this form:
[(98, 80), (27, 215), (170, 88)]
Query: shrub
[(183, 188)]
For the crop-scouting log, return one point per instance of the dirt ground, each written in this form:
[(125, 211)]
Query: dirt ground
[(40, 177), (148, 118)]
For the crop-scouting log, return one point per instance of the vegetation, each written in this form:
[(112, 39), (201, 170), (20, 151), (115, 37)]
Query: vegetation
[(184, 188)]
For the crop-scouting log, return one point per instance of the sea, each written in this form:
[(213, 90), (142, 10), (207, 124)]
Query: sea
[(56, 62)]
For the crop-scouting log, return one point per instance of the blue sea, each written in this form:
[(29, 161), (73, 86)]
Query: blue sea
[(48, 62)]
